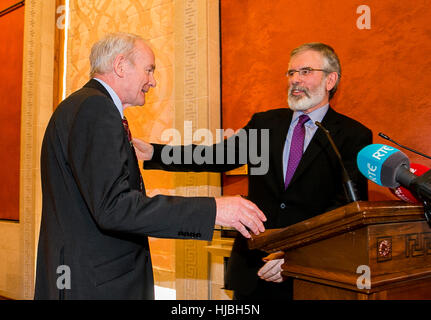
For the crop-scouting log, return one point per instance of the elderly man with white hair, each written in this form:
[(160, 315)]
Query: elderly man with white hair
[(96, 216)]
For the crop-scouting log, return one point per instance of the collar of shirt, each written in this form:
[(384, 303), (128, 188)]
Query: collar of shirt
[(316, 115), (114, 96)]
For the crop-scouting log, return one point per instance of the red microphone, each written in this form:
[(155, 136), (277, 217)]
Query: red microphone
[(404, 194)]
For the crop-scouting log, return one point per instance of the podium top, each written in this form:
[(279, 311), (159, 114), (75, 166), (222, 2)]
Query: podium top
[(344, 219)]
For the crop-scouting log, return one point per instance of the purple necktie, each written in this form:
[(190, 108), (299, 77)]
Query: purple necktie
[(296, 148)]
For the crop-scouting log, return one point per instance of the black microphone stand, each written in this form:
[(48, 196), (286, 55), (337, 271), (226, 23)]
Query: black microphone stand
[(349, 186)]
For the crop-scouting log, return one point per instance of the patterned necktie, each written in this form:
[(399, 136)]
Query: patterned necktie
[(296, 148), (126, 127), (129, 137)]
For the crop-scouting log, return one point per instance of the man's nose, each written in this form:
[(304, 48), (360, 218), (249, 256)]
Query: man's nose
[(152, 80)]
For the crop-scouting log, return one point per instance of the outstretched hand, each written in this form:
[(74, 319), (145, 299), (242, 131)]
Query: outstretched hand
[(144, 150), (240, 214)]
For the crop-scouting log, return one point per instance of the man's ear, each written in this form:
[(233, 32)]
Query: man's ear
[(119, 65), (331, 80)]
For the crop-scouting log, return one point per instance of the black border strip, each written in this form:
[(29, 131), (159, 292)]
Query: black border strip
[(12, 8)]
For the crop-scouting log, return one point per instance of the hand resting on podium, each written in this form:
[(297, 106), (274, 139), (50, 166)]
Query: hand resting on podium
[(271, 271)]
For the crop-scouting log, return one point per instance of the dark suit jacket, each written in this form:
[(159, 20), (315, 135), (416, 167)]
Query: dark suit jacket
[(95, 220), (315, 187)]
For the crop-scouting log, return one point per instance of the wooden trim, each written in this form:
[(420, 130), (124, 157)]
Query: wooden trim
[(58, 59), (343, 279), (347, 218)]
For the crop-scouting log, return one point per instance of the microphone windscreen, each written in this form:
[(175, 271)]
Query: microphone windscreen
[(380, 163), (403, 193)]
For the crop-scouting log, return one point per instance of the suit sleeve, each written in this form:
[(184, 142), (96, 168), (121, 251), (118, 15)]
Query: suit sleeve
[(227, 155), (99, 162)]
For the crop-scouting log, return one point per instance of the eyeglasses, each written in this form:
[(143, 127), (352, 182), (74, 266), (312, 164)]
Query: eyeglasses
[(304, 71)]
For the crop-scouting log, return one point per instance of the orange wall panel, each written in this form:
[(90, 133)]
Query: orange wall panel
[(385, 69), (11, 48)]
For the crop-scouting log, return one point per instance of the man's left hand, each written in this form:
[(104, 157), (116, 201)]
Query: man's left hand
[(271, 271)]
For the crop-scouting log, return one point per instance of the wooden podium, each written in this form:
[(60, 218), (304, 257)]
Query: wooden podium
[(364, 250)]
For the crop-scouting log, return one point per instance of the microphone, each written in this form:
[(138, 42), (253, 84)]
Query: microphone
[(403, 193), (348, 184), (384, 165), (384, 136), (389, 167)]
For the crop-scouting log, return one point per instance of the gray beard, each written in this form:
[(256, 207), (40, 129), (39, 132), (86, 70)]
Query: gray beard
[(309, 100)]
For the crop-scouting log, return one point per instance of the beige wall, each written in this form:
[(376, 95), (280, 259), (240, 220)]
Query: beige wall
[(184, 36), (197, 94)]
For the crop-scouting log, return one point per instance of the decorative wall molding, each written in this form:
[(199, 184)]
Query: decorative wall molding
[(36, 109), (196, 105), (30, 70)]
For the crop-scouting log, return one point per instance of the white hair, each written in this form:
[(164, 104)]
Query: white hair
[(108, 48)]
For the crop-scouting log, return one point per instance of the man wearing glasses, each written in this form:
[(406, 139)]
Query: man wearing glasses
[(304, 177)]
